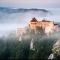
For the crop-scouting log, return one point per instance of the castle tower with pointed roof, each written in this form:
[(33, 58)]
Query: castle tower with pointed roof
[(33, 23)]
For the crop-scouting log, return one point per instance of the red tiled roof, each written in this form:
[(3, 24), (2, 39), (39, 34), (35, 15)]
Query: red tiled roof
[(45, 21), (55, 24), (34, 20)]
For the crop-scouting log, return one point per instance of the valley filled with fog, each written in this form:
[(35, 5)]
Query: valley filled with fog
[(30, 45)]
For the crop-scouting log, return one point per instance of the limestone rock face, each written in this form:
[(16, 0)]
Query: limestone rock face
[(56, 48)]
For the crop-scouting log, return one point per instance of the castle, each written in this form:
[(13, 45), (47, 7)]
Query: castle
[(46, 25)]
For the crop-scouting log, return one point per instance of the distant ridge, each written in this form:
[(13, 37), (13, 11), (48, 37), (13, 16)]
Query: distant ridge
[(12, 10)]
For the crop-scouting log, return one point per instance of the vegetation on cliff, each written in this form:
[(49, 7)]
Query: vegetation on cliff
[(13, 49)]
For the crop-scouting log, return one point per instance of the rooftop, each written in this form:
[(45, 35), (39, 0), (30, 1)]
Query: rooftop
[(45, 20), (34, 20)]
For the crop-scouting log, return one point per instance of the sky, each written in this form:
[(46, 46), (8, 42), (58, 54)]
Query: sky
[(31, 3)]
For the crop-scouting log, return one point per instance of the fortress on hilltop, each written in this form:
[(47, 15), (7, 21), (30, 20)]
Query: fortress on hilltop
[(47, 26)]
